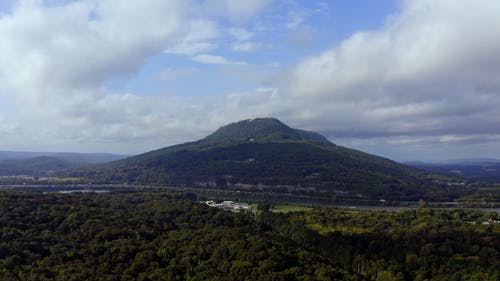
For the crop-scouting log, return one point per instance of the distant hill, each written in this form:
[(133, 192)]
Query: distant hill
[(41, 163), (90, 158), (266, 154), (36, 166), (485, 170)]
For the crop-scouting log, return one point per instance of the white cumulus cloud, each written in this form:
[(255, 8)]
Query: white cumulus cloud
[(428, 79), (431, 70)]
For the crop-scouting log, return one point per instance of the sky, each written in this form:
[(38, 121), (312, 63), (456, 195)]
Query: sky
[(404, 79)]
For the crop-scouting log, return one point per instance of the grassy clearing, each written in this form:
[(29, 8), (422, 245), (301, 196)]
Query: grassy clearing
[(285, 208), (347, 230)]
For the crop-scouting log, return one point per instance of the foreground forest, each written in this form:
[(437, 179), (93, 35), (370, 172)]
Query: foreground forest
[(169, 236)]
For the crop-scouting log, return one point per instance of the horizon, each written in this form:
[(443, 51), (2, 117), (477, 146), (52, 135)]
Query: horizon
[(404, 161), (412, 80)]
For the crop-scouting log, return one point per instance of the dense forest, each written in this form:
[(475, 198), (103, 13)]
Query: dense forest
[(159, 235)]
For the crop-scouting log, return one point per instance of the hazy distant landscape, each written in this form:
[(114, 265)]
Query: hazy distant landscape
[(485, 170), (36, 164)]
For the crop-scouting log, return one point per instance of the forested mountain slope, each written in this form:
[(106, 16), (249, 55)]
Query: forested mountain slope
[(265, 153)]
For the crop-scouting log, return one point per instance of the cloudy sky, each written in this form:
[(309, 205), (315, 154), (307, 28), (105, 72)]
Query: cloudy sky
[(405, 79)]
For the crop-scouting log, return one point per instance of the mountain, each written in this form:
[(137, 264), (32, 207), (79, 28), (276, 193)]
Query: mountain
[(265, 154), (261, 130)]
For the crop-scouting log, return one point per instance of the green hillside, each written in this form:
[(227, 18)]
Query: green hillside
[(266, 154)]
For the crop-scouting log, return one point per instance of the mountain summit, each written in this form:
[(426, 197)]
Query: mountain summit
[(265, 153), (262, 130)]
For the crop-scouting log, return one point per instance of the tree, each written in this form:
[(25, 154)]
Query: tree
[(264, 206)]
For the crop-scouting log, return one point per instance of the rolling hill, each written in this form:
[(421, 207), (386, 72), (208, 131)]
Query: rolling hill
[(44, 163), (481, 170), (265, 154), (36, 166)]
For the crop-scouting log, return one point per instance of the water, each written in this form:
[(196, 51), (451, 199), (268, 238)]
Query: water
[(83, 190), (399, 208), (106, 188)]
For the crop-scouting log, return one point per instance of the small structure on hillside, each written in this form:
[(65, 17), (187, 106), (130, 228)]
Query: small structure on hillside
[(229, 205)]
